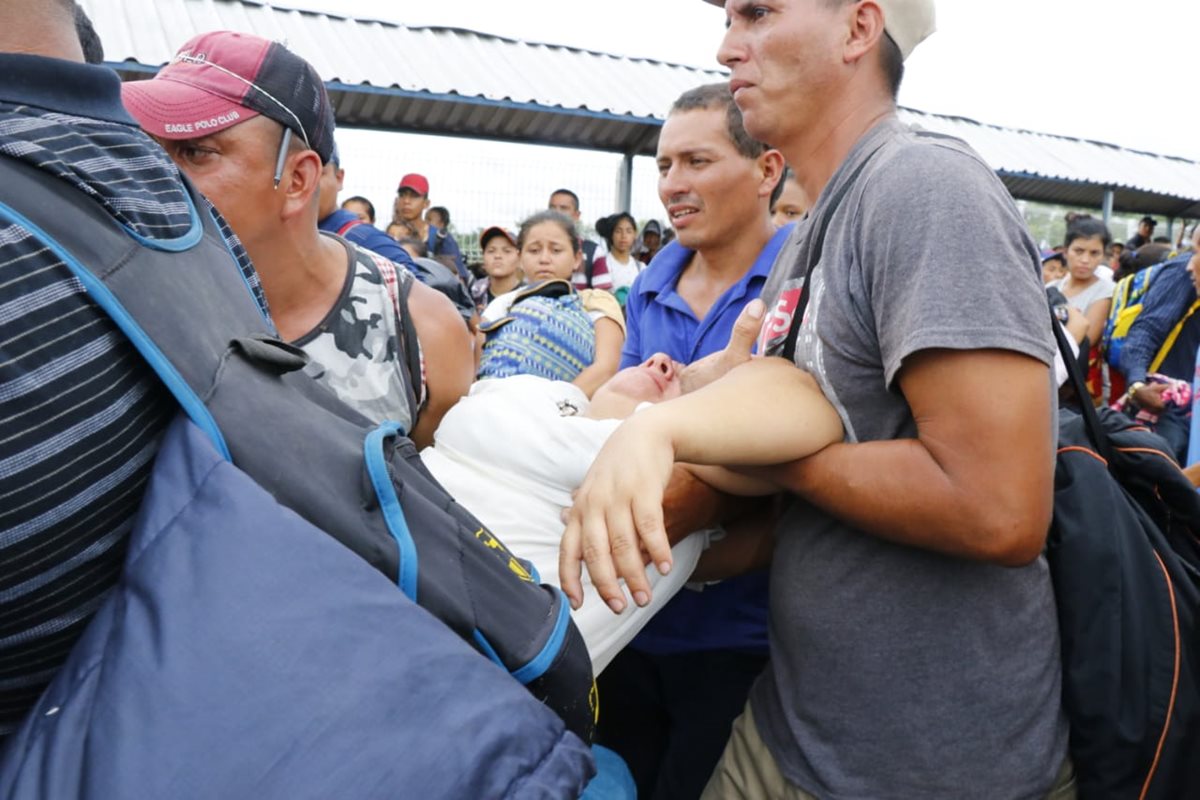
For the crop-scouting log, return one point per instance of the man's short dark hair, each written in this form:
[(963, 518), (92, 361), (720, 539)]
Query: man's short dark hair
[(89, 40), (716, 96), (358, 198), (574, 197), (893, 64), (778, 190)]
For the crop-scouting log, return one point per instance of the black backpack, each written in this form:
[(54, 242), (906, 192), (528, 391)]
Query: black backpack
[(1125, 561), (186, 307)]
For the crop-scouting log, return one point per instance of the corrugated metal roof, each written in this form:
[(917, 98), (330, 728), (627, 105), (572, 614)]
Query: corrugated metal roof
[(426, 79), (460, 82), (1059, 169)]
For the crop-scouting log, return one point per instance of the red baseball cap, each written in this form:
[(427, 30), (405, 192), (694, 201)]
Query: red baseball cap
[(416, 183), (221, 78)]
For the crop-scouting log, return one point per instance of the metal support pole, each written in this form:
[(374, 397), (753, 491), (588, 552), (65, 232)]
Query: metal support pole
[(1108, 205), (625, 183)]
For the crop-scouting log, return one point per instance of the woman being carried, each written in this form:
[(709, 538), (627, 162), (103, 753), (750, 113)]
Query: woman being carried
[(513, 451)]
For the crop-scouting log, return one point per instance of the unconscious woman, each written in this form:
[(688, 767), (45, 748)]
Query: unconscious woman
[(547, 328), (514, 450), (1086, 241)]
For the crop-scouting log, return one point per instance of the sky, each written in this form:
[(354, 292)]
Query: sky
[(1107, 70)]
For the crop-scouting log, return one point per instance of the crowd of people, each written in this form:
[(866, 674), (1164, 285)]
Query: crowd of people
[(1101, 290), (757, 448)]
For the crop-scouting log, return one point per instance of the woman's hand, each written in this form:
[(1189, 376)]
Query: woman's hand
[(618, 512)]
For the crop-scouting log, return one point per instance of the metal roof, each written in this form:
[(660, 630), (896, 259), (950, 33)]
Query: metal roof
[(450, 81), (425, 79), (1076, 172)]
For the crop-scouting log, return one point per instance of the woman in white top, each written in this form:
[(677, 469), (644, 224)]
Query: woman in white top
[(619, 267), (515, 448)]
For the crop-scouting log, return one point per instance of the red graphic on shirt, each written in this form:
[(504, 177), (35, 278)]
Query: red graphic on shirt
[(778, 320)]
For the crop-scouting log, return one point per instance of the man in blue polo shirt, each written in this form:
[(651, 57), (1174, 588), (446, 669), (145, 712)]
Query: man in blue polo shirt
[(668, 700)]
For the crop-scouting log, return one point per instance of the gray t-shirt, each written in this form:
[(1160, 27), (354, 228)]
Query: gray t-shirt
[(898, 672)]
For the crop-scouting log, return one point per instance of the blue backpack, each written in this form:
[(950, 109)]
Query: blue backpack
[(246, 654), (1126, 306)]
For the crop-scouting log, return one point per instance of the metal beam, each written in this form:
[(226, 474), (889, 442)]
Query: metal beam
[(625, 183)]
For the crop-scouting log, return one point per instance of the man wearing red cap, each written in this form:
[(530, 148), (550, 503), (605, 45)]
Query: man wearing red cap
[(250, 123), (412, 199), (914, 637)]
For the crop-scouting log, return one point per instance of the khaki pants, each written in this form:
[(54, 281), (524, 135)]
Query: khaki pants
[(747, 771)]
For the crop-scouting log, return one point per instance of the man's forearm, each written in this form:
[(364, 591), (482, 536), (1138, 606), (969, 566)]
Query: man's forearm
[(690, 504), (897, 491), (722, 424)]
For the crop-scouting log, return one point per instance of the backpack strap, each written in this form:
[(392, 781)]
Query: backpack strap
[(128, 276), (1169, 342), (812, 254), (1091, 420)]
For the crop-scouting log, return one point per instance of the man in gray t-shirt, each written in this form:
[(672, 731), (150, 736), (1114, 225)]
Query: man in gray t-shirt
[(890, 661), (914, 639)]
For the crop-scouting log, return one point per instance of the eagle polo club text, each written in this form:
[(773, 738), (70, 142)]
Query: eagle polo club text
[(203, 124)]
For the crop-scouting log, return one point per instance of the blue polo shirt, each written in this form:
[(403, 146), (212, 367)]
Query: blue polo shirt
[(660, 321), (731, 615)]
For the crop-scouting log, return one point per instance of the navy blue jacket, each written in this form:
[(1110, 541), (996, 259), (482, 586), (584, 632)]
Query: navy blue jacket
[(245, 653), (1170, 295)]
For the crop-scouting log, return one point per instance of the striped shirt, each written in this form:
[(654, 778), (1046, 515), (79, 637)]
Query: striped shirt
[(81, 414)]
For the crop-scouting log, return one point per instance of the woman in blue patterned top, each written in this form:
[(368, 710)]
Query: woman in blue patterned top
[(548, 328)]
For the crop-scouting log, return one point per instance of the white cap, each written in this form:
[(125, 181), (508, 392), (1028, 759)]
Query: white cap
[(908, 22)]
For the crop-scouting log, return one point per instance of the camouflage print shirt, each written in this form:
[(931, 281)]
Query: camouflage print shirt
[(358, 350)]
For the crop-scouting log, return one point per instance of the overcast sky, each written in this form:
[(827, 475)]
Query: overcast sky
[(1109, 70)]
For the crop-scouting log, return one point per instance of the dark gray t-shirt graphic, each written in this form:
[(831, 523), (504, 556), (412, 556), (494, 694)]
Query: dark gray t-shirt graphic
[(898, 672)]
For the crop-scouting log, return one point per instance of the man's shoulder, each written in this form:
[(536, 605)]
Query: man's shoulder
[(914, 158), (1169, 281), (390, 271), (122, 168)]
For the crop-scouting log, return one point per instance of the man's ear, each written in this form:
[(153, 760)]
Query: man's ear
[(864, 30), (300, 183), (771, 164)]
